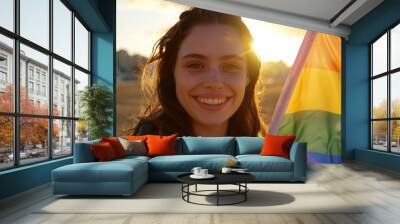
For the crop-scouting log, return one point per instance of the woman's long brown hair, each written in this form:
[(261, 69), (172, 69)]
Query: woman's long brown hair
[(164, 111)]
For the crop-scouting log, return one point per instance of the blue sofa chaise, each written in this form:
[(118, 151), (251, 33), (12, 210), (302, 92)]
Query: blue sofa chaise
[(126, 175)]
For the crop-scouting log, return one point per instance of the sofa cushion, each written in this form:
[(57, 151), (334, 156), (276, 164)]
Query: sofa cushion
[(116, 145), (249, 145), (134, 147), (111, 171), (131, 158), (257, 163), (206, 145), (103, 151), (135, 137), (277, 145), (185, 163), (161, 145)]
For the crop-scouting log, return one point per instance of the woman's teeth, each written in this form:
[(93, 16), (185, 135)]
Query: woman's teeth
[(212, 101)]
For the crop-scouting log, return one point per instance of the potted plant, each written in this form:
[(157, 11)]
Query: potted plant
[(96, 102)]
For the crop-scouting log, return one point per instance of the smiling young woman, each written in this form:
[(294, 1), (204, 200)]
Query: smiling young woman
[(202, 80)]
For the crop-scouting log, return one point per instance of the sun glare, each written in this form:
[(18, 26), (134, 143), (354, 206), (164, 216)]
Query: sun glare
[(261, 50), (274, 42)]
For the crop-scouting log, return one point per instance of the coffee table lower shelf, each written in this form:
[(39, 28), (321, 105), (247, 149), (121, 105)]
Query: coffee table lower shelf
[(241, 191)]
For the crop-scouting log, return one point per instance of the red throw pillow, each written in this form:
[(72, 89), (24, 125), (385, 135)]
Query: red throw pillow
[(103, 151), (161, 145), (116, 145), (136, 137), (277, 145)]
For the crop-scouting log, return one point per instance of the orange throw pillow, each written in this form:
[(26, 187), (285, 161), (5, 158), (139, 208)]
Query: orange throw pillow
[(135, 137), (277, 145), (116, 145), (161, 145), (103, 151)]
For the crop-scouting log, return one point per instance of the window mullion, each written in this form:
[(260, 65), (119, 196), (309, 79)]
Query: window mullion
[(50, 81), (371, 145), (73, 83), (16, 84), (389, 105)]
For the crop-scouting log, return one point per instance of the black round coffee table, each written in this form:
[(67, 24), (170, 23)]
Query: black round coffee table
[(238, 179)]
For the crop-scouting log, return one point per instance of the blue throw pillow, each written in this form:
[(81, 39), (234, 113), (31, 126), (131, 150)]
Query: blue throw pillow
[(206, 145), (249, 145)]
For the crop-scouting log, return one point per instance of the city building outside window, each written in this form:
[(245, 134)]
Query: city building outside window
[(30, 72), (38, 89), (3, 61), (59, 127), (30, 87), (3, 78), (3, 72)]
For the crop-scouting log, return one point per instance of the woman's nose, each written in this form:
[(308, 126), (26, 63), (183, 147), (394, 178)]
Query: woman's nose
[(214, 78)]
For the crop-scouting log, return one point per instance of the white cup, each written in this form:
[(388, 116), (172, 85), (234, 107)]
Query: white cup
[(226, 170), (196, 170), (203, 172)]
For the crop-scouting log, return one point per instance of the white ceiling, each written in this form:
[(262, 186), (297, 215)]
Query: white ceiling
[(315, 15), (321, 9)]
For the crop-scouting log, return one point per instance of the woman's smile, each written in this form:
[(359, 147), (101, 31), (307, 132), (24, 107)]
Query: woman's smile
[(211, 103)]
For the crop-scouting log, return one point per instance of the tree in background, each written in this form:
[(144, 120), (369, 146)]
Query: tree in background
[(272, 78), (97, 103), (6, 122), (129, 66), (81, 130), (33, 130), (380, 127)]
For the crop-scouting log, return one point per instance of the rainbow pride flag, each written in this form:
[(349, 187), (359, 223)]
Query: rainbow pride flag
[(310, 103)]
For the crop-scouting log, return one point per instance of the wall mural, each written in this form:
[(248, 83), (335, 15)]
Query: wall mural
[(310, 103), (241, 77)]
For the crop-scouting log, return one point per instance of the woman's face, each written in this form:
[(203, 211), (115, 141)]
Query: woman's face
[(211, 74)]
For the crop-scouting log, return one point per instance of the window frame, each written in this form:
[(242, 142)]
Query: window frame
[(16, 114), (388, 74)]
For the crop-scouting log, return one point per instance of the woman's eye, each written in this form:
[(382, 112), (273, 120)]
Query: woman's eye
[(231, 68), (195, 66)]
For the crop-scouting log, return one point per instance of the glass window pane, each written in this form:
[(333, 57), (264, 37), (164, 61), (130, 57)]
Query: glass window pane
[(7, 14), (81, 45), (62, 138), (395, 47), (81, 81), (34, 97), (81, 131), (395, 94), (62, 29), (395, 136), (33, 140), (379, 55), (379, 135), (379, 97), (35, 21), (6, 142), (6, 74), (62, 89)]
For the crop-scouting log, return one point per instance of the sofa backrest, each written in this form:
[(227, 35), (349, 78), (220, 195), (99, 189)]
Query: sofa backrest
[(83, 152), (249, 145), (206, 145), (191, 146)]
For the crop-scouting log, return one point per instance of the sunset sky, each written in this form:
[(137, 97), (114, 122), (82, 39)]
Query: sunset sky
[(141, 23)]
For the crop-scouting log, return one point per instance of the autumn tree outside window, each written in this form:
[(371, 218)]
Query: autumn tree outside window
[(385, 93), (44, 64)]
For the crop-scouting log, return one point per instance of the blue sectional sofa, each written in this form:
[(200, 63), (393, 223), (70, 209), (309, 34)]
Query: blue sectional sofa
[(125, 176)]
